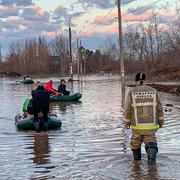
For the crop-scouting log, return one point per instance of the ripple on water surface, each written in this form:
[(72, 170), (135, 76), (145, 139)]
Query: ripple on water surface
[(92, 143)]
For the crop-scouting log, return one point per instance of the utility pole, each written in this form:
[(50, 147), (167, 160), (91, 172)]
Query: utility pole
[(81, 59), (84, 67), (78, 58), (121, 54), (70, 52), (0, 54)]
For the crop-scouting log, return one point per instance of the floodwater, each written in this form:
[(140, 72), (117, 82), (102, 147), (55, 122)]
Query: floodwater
[(92, 143)]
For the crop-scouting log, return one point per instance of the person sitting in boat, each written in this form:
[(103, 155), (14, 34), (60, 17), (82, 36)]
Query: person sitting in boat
[(26, 77), (28, 106), (41, 105), (62, 88), (48, 87)]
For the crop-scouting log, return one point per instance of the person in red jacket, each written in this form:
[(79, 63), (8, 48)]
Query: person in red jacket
[(48, 87)]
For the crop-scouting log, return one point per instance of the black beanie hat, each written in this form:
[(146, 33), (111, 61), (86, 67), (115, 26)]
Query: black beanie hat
[(140, 77)]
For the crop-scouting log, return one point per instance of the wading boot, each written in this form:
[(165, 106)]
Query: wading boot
[(151, 149), (151, 156), (137, 154)]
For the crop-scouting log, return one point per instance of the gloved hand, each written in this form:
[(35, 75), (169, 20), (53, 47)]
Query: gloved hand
[(127, 125), (161, 123)]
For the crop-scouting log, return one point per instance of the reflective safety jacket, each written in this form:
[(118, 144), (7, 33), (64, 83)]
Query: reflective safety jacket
[(143, 109)]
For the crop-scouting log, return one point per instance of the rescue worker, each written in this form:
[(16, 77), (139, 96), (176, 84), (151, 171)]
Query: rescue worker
[(48, 87), (62, 88), (41, 104), (144, 114)]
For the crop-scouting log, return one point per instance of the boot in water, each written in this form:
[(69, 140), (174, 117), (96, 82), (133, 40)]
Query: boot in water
[(137, 154), (151, 156)]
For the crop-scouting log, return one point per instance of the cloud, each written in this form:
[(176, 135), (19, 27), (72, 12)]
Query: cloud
[(140, 17), (49, 34), (32, 21), (101, 31), (6, 11), (35, 13), (17, 2), (124, 2), (140, 9), (6, 26), (62, 15), (165, 6), (60, 12), (20, 19), (164, 27), (104, 4), (99, 20), (77, 14), (165, 18)]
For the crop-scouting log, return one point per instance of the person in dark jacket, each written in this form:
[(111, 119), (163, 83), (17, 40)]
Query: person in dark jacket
[(62, 88), (41, 103)]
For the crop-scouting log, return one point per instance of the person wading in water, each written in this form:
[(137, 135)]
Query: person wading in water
[(144, 114)]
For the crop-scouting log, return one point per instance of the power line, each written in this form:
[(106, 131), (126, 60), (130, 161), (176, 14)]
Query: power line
[(90, 29), (156, 2), (102, 20)]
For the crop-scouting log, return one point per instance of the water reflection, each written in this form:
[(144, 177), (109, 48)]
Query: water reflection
[(141, 171), (63, 106), (153, 173), (41, 148), (92, 143), (137, 172)]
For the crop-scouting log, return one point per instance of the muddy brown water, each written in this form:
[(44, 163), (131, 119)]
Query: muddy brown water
[(92, 143)]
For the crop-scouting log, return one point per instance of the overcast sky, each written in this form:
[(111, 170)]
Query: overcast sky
[(92, 20)]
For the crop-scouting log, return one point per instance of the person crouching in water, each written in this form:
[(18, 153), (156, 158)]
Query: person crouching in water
[(144, 114), (41, 104), (62, 88)]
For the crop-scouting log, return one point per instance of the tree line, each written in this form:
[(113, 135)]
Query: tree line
[(147, 48), (37, 56)]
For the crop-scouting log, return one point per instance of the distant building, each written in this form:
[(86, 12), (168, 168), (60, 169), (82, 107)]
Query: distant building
[(54, 63), (54, 59)]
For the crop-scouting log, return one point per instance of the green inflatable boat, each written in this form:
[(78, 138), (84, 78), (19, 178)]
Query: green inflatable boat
[(71, 97), (27, 81), (27, 123)]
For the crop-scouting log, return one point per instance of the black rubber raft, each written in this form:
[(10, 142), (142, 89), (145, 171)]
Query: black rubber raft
[(71, 97), (27, 123)]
